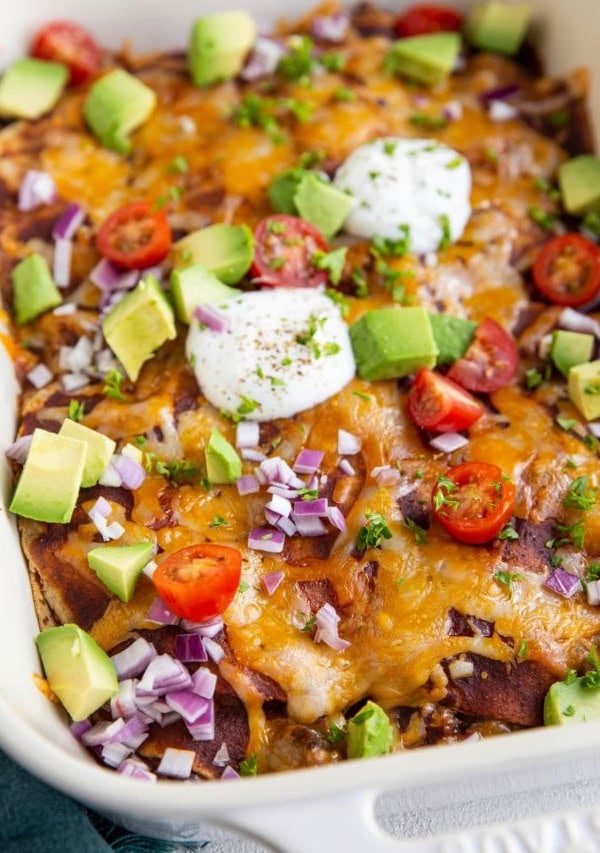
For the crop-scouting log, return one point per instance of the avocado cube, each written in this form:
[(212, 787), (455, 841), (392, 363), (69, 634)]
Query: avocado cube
[(195, 285), (579, 181), (369, 732), (100, 449), (573, 702), (225, 250), (283, 188), (223, 465), (49, 483), (116, 105), (389, 343), (34, 291), (499, 27), (570, 349), (219, 44), (31, 87), (322, 204), (80, 673), (453, 336), (584, 389), (138, 325), (119, 567), (425, 59)]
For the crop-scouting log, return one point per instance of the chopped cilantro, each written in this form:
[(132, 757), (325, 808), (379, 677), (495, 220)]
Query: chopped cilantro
[(579, 496), (555, 560), (393, 248), (332, 262), (428, 122), (373, 532), (444, 487), (523, 649), (454, 164), (418, 532), (247, 406), (333, 61), (140, 440), (446, 239), (298, 63), (361, 395), (275, 226), (541, 217), (311, 158), (591, 442), (593, 572), (340, 300), (559, 119), (76, 410), (276, 382), (249, 766), (309, 624), (344, 95), (533, 378), (244, 586), (112, 385), (335, 734), (573, 534), (359, 279), (389, 147), (218, 521), (507, 579), (178, 166), (508, 532), (591, 223), (178, 470)]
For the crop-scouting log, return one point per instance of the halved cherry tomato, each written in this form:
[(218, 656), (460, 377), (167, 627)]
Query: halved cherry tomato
[(200, 581), (284, 250), (135, 236), (438, 404), (421, 20), (67, 42), (473, 502), (489, 363), (567, 270)]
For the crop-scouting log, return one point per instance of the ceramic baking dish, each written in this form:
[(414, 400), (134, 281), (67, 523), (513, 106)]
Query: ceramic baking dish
[(321, 809)]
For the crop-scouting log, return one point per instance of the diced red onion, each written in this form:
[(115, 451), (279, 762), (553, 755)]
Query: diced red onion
[(61, 264), (283, 491), (336, 517), (378, 470), (132, 474), (221, 756), (124, 704), (286, 525), (501, 111), (204, 682), (40, 376), (453, 111), (308, 461), (593, 592), (74, 381), (326, 622), (461, 669), (19, 449), (544, 347), (389, 477), (102, 507), (189, 648), (271, 581), (331, 28), (176, 763), (80, 728), (113, 531), (213, 650), (136, 740), (168, 719), (76, 358), (68, 222), (563, 583), (134, 659), (211, 318), (210, 628), (448, 442), (132, 728), (347, 468), (114, 754), (266, 539), (203, 728), (150, 568), (575, 321), (272, 517), (263, 59), (229, 773), (500, 93), (318, 506), (160, 613), (102, 732), (347, 443), (247, 434), (280, 506), (136, 770), (65, 309), (310, 526), (110, 477), (162, 675), (251, 455), (248, 485), (188, 705), (37, 188), (108, 277)]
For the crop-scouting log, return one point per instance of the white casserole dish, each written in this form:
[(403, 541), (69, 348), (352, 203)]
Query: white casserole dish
[(325, 809)]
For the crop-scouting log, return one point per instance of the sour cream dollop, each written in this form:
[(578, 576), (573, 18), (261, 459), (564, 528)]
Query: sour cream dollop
[(414, 186), (285, 350)]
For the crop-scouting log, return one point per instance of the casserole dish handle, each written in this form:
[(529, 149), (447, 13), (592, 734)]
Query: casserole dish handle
[(347, 823)]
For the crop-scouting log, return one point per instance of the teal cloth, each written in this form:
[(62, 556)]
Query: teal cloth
[(37, 819)]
